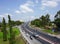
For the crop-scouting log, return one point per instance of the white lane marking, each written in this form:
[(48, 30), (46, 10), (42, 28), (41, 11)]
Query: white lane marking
[(42, 38), (46, 39)]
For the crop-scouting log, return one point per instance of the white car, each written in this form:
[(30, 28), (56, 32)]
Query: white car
[(35, 35)]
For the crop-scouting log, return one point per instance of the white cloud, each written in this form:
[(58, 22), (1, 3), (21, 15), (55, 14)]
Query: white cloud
[(28, 18), (49, 3), (57, 0), (21, 20), (6, 14), (26, 7), (32, 17), (1, 16), (29, 3), (17, 11), (23, 11), (42, 7)]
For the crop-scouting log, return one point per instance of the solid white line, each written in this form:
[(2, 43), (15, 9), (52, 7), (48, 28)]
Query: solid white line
[(46, 39), (42, 38)]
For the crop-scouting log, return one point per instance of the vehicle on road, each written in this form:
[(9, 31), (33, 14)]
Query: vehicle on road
[(35, 35), (31, 38)]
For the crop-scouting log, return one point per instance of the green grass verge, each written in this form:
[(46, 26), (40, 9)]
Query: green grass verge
[(45, 30), (18, 39), (1, 34), (49, 31), (3, 42)]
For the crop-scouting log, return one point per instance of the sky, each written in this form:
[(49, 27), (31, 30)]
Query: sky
[(26, 10)]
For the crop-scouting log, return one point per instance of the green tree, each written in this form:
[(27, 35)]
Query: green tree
[(4, 30), (13, 23), (57, 19), (12, 34), (47, 19), (0, 24), (37, 22), (57, 15), (18, 22), (10, 26), (43, 20)]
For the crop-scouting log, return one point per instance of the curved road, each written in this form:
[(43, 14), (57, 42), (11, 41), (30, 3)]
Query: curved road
[(43, 38)]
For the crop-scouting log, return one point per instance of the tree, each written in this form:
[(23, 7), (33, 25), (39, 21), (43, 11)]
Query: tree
[(18, 22), (57, 19), (57, 22), (37, 22), (57, 15), (43, 20), (4, 30), (12, 34), (47, 19), (13, 23), (10, 26), (0, 24)]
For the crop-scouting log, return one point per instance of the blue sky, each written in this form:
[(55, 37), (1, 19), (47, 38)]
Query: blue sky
[(26, 10)]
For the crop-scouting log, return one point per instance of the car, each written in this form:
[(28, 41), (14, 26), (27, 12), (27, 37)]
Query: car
[(27, 35), (31, 38), (35, 35)]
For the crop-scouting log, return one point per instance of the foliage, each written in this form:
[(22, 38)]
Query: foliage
[(43, 21), (4, 30), (57, 19), (15, 29), (18, 40), (36, 22), (12, 34), (0, 24), (14, 23), (57, 22)]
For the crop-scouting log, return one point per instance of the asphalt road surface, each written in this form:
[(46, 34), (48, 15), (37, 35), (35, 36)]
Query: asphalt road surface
[(30, 39), (43, 38)]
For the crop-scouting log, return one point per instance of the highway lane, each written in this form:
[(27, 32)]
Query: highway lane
[(50, 38), (40, 40), (27, 37)]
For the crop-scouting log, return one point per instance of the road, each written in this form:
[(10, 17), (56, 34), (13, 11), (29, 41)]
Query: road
[(43, 38), (27, 37)]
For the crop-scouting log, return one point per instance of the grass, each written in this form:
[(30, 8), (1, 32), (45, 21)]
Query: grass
[(3, 42), (49, 31), (45, 30), (19, 40), (1, 34), (16, 30)]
